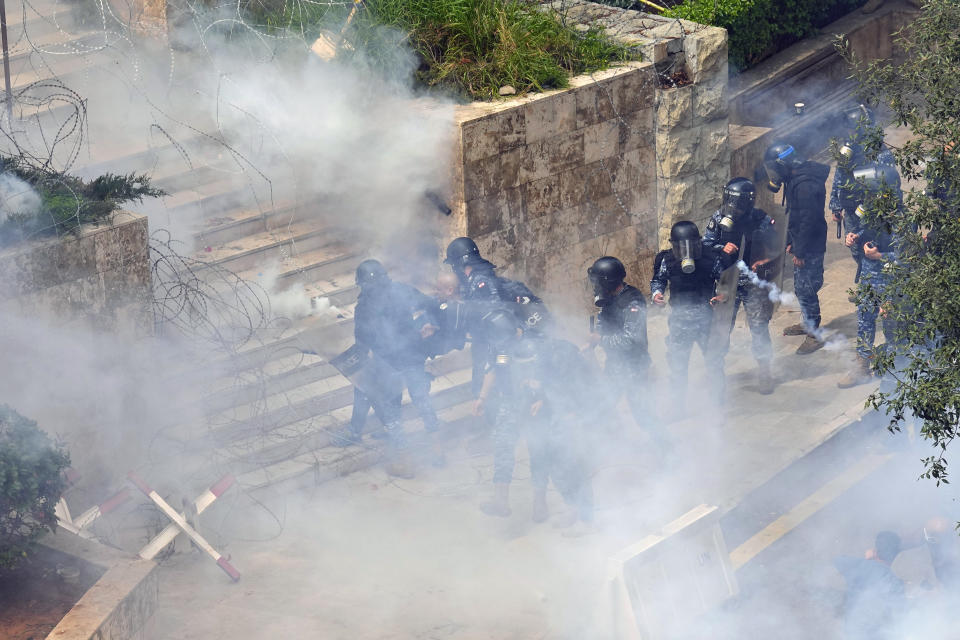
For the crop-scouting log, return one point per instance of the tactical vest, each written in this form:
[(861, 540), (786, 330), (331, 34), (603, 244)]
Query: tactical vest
[(691, 288)]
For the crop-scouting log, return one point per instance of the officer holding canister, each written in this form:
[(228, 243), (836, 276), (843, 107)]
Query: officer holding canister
[(854, 153), (878, 245), (691, 277), (739, 231), (805, 193)]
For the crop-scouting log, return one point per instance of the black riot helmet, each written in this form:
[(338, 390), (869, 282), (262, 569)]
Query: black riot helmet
[(461, 252), (779, 161), (739, 196), (686, 244), (878, 180), (606, 275), (371, 273), (499, 327)]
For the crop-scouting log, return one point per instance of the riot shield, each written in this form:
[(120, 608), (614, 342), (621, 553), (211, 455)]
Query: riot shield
[(356, 365), (724, 308), (769, 244)]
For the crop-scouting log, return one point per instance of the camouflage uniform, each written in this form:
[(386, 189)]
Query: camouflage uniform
[(691, 317), (845, 195), (875, 275), (807, 281)]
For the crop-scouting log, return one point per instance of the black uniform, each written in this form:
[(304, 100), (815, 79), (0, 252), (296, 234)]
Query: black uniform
[(691, 316), (388, 320), (806, 194)]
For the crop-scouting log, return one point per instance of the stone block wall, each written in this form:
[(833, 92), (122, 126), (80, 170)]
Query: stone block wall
[(99, 277), (549, 182)]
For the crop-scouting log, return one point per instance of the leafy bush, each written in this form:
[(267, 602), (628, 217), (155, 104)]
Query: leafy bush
[(63, 202), (759, 28), (467, 47), (30, 484)]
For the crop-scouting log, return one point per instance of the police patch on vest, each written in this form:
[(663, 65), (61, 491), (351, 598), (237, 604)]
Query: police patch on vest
[(503, 359)]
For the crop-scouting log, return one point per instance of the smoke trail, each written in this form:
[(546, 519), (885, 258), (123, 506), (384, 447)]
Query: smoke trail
[(832, 342)]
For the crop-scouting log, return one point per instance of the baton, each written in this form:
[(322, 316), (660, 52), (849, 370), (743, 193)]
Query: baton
[(838, 229)]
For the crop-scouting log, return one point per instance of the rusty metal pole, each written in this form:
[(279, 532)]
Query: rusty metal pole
[(6, 61)]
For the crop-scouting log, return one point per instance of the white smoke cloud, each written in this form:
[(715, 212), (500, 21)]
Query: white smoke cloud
[(17, 197)]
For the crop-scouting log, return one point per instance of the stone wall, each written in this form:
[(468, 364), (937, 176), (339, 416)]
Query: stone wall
[(549, 182), (98, 278)]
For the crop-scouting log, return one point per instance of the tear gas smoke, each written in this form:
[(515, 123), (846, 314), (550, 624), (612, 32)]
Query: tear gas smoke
[(832, 341), (17, 198)]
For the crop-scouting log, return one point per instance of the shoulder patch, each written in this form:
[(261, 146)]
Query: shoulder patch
[(712, 224), (481, 284), (634, 309)]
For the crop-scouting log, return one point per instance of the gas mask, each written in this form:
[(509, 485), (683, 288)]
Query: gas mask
[(687, 252), (735, 205)]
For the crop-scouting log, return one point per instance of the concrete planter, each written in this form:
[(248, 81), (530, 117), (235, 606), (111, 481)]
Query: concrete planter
[(99, 277), (119, 605)]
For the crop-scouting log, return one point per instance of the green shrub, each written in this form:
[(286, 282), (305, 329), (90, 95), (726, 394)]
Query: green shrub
[(30, 484), (759, 28), (66, 202), (467, 47)]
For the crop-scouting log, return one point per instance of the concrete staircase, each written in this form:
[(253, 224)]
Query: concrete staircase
[(270, 416)]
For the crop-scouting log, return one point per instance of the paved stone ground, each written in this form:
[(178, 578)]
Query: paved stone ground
[(370, 557)]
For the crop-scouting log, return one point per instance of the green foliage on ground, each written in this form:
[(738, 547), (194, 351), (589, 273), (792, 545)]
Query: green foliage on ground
[(759, 28), (31, 482), (67, 202), (923, 298), (467, 47)]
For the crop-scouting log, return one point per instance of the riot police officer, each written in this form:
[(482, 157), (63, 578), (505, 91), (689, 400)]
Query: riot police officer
[(622, 333), (691, 277), (881, 189), (482, 290), (738, 230), (541, 387), (845, 193), (393, 320), (805, 193)]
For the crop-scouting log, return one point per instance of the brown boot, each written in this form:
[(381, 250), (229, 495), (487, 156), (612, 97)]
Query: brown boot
[(540, 512), (795, 330), (859, 374), (809, 345), (765, 382), (499, 506)]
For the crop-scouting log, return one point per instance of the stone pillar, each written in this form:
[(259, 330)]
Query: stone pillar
[(692, 132)]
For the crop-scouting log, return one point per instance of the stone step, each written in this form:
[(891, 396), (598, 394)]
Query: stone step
[(328, 271), (302, 384), (53, 44), (327, 463), (261, 251), (232, 225), (157, 156), (262, 415), (34, 24), (30, 70)]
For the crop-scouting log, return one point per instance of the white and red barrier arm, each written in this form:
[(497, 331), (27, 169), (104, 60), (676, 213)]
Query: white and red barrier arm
[(181, 522)]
